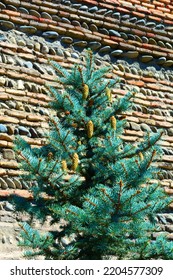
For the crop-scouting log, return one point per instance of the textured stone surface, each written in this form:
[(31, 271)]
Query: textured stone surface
[(134, 38)]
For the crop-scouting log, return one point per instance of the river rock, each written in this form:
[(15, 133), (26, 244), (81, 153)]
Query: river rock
[(67, 40), (94, 45), (3, 128), (50, 35), (23, 130), (28, 29), (8, 154), (3, 184)]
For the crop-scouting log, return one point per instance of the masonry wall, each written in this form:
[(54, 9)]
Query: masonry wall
[(134, 36)]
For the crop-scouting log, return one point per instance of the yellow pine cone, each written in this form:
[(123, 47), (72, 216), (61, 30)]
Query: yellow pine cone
[(113, 122), (64, 165), (50, 155), (141, 156), (109, 94), (90, 129), (75, 161), (85, 91)]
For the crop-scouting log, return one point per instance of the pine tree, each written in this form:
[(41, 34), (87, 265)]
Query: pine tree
[(89, 177)]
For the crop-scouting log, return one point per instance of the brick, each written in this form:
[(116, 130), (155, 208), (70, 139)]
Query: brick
[(34, 118), (4, 96), (3, 144), (6, 137), (48, 10), (59, 29), (29, 123), (109, 43), (4, 17), (137, 14), (77, 34), (17, 114), (2, 172), (19, 20), (5, 119), (38, 25), (155, 18), (136, 83), (11, 13), (8, 164)]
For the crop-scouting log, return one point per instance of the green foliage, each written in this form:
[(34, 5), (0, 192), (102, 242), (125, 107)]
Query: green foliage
[(90, 177)]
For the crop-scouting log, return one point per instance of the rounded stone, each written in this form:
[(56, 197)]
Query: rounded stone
[(2, 5), (52, 51), (50, 35), (2, 81), (45, 49), (85, 25), (59, 52), (67, 40), (131, 54), (168, 63), (141, 22), (114, 33), (8, 206), (12, 8), (23, 130), (8, 154), (81, 44), (133, 19), (121, 67), (138, 39), (145, 127), (83, 8), (104, 31), (23, 10), (10, 183), (144, 39), (20, 85), (94, 45), (3, 128), (124, 35), (4, 106), (116, 52), (33, 132), (21, 43), (105, 49), (28, 29), (161, 60), (3, 184), (168, 45), (161, 44), (151, 24), (108, 13), (93, 28), (65, 20), (4, 240), (46, 15), (75, 55), (116, 15), (76, 23), (28, 64), (17, 183), (35, 13), (7, 24), (146, 58), (152, 41), (93, 9), (37, 46)]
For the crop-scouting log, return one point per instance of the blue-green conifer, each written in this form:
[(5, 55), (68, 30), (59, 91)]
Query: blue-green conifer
[(87, 176)]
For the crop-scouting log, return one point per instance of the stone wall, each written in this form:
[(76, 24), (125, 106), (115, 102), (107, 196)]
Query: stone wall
[(134, 36)]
